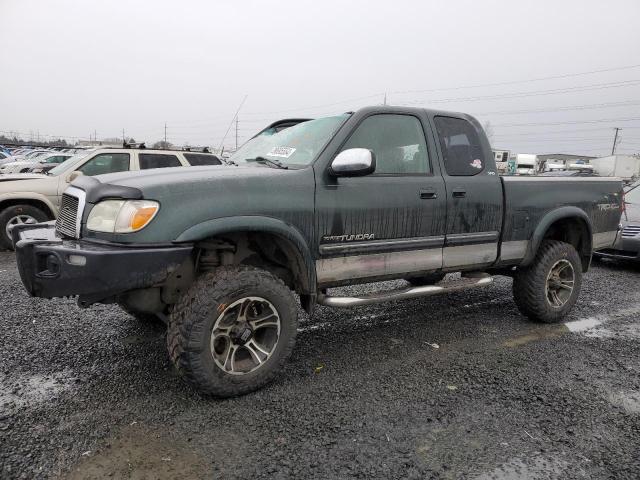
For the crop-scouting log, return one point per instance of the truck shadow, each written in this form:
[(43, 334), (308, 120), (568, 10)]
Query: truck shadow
[(616, 265)]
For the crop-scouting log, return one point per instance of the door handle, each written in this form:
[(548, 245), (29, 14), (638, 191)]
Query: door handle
[(458, 193), (428, 194)]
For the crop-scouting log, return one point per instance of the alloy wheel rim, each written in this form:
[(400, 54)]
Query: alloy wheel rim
[(245, 335), (19, 220), (560, 283)]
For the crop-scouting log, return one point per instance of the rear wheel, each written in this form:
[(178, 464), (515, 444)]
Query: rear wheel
[(233, 330), (548, 289), (17, 215), (429, 279)]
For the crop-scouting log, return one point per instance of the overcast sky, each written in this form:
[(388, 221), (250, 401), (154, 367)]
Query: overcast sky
[(70, 68)]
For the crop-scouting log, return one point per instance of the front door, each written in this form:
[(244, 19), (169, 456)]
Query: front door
[(391, 221)]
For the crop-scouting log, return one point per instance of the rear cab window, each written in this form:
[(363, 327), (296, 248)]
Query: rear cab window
[(199, 159), (158, 160), (460, 144)]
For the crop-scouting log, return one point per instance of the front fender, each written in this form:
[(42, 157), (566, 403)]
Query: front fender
[(250, 223), (549, 219)]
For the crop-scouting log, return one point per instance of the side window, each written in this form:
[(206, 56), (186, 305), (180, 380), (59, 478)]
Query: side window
[(158, 160), (460, 145), (106, 163), (196, 159), (396, 140)]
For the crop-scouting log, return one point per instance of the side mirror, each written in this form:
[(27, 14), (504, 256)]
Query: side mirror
[(73, 175), (355, 162)]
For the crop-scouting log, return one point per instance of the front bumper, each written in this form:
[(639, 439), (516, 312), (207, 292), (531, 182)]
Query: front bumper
[(50, 266)]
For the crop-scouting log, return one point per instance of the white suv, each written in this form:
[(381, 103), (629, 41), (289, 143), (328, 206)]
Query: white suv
[(33, 198)]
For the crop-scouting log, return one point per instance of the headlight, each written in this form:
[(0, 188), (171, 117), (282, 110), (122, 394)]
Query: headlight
[(122, 216)]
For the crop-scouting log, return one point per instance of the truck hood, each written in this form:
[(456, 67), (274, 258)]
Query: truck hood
[(163, 181), (193, 197)]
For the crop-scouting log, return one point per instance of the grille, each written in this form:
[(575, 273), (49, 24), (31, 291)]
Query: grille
[(66, 223), (631, 231)]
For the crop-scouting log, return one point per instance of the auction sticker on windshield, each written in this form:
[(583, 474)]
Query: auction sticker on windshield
[(284, 152)]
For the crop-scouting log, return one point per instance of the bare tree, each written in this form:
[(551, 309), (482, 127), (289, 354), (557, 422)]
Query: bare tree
[(488, 130), (161, 144)]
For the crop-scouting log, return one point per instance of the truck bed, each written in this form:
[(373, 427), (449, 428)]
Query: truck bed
[(529, 199)]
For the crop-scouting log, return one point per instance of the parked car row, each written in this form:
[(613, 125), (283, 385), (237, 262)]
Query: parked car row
[(35, 197), (26, 159)]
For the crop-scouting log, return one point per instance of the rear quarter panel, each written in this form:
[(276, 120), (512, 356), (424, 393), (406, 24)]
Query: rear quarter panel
[(528, 200)]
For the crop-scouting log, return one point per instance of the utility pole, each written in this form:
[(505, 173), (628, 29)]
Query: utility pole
[(236, 133), (165, 134), (385, 98), (615, 141), (123, 140), (95, 136)]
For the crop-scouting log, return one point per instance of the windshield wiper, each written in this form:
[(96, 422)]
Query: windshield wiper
[(275, 163)]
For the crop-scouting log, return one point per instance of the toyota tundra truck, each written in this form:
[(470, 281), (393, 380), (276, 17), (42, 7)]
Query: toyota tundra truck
[(221, 252)]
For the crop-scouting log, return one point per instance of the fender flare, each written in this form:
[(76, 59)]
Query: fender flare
[(549, 219), (255, 223)]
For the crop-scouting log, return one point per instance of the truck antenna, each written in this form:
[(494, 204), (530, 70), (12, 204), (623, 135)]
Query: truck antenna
[(232, 122)]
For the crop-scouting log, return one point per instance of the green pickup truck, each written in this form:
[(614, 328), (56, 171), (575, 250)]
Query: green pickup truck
[(220, 253)]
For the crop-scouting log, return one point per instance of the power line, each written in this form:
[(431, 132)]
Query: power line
[(544, 124), (442, 89), (584, 139), (533, 93), (562, 109), (514, 82), (317, 106), (557, 132)]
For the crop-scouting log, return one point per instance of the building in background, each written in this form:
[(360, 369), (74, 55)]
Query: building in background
[(502, 160), (626, 167)]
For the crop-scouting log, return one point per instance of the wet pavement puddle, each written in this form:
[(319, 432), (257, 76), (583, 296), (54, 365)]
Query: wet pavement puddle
[(137, 452)]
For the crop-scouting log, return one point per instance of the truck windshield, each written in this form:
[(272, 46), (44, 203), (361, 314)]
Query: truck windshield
[(297, 145)]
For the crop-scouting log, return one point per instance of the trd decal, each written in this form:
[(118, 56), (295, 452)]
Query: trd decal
[(608, 206)]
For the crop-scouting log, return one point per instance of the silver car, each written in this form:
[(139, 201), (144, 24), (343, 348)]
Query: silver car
[(28, 164), (627, 245)]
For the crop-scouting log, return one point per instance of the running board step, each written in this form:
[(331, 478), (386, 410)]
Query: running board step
[(474, 280)]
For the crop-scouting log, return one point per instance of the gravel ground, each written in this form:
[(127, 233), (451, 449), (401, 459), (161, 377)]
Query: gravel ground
[(459, 386)]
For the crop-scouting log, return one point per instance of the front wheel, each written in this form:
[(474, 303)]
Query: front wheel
[(548, 289), (233, 330)]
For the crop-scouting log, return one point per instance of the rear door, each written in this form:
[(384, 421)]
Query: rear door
[(389, 222), (474, 193)]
